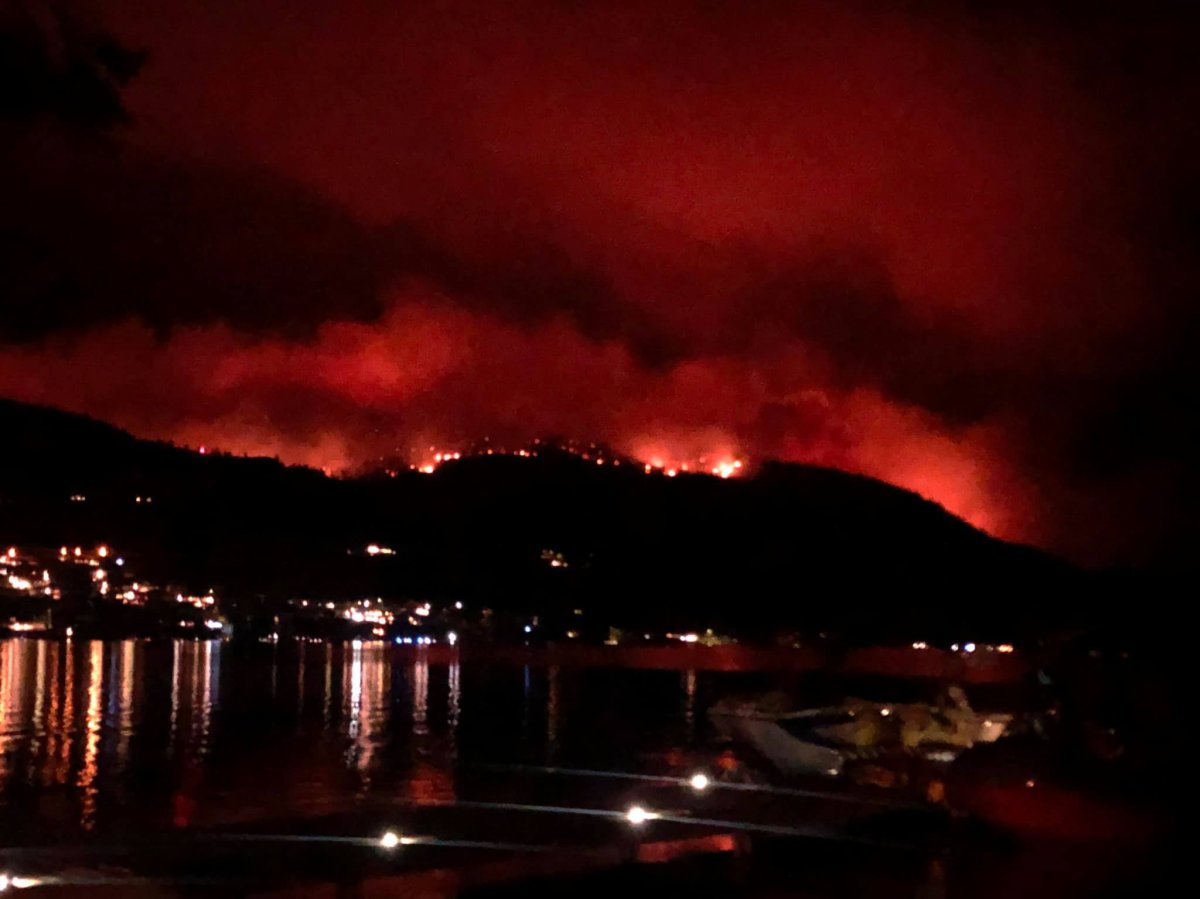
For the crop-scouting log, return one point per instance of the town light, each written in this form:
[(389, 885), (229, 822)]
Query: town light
[(699, 781)]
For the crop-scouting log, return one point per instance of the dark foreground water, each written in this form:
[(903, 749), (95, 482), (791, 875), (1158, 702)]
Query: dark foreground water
[(138, 735), (171, 760)]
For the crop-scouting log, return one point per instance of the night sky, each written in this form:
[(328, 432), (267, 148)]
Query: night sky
[(946, 245)]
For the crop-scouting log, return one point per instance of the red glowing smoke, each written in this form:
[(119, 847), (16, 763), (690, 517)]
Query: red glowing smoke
[(927, 246), (430, 374)]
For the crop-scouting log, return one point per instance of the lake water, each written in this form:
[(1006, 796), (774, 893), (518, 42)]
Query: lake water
[(151, 740), (134, 736)]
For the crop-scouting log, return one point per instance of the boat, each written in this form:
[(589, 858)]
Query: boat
[(826, 740)]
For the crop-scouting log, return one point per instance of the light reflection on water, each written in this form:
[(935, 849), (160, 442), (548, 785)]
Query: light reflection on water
[(98, 734), (90, 769)]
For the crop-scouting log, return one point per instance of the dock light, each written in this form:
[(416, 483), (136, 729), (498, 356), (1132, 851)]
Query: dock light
[(699, 781), (885, 711), (16, 882), (969, 647), (638, 816), (391, 839)]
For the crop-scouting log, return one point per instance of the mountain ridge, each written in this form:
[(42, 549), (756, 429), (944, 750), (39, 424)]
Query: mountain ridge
[(784, 546)]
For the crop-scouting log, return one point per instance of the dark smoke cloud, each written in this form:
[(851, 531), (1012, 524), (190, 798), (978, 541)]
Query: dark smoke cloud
[(950, 245)]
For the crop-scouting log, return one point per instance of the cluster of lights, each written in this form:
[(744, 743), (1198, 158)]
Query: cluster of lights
[(376, 549), (1004, 648), (136, 594), (103, 562), (21, 574), (25, 626), (376, 612), (364, 614), (708, 638), (199, 602), (80, 557), (554, 559), (451, 638)]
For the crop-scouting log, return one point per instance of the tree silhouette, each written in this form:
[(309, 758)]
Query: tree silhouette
[(54, 68)]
